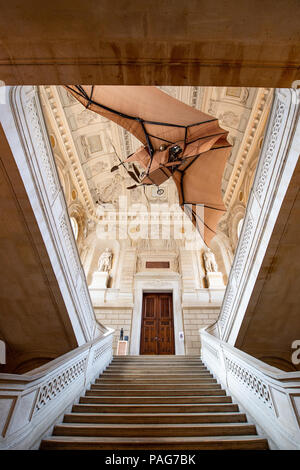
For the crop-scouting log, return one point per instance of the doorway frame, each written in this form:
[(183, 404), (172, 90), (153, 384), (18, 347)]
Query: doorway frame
[(170, 294), (156, 282)]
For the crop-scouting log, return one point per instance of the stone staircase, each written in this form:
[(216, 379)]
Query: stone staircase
[(155, 403)]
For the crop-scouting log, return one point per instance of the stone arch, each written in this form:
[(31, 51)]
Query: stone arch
[(74, 225), (239, 227), (249, 178), (220, 245), (64, 177), (78, 214), (237, 213)]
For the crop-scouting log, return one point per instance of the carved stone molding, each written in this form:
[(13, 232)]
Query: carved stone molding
[(58, 383), (33, 402), (274, 163), (266, 393), (40, 142), (52, 99), (250, 136), (269, 153), (227, 305), (70, 245), (243, 246), (250, 380)]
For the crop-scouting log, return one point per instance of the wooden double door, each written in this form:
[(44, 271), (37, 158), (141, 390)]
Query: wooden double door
[(157, 332)]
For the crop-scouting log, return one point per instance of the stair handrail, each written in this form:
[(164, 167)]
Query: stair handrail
[(269, 395), (34, 401)]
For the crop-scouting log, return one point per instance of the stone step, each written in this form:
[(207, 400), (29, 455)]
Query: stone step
[(154, 357), (167, 418), (152, 380), (156, 370), (155, 403), (159, 366), (96, 390), (156, 363), (125, 376), (154, 430), (152, 443), (165, 408), (152, 399), (161, 385)]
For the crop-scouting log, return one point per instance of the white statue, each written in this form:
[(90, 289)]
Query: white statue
[(210, 262), (104, 263)]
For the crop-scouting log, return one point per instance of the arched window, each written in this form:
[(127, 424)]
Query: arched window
[(239, 227), (74, 224)]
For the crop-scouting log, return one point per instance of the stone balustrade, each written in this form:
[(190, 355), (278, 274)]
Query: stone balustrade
[(31, 403), (270, 396)]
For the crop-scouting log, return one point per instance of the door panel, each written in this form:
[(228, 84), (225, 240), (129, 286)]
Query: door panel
[(157, 332)]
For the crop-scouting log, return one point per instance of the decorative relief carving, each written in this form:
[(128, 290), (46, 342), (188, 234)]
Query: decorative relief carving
[(251, 381), (250, 136), (195, 94), (97, 168), (71, 250), (40, 145), (58, 383), (212, 107), (280, 108), (49, 95), (101, 350), (85, 303), (127, 142), (243, 247), (229, 119), (84, 146), (236, 94), (227, 305), (110, 191), (86, 117)]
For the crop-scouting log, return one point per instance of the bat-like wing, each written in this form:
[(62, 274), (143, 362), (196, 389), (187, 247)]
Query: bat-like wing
[(178, 141), (198, 183), (148, 113)]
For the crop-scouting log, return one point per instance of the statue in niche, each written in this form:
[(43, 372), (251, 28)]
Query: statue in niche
[(210, 262), (104, 263)]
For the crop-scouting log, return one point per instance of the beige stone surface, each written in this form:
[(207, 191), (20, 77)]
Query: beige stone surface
[(115, 318), (34, 322), (156, 42), (272, 323), (195, 318)]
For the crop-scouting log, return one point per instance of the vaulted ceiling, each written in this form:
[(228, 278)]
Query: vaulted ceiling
[(95, 144)]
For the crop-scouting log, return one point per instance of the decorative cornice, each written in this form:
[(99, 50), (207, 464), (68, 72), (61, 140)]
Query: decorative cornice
[(39, 138), (257, 117), (274, 162), (51, 97), (279, 112)]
